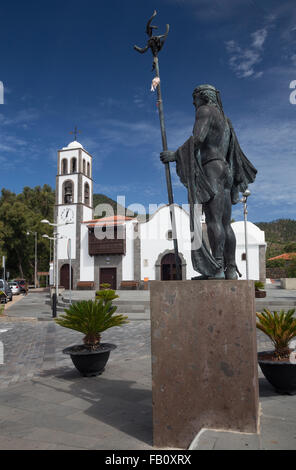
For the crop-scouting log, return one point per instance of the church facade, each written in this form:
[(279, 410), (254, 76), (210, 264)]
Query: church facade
[(122, 250)]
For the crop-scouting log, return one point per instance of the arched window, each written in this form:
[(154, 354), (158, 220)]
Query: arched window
[(73, 165), (67, 192), (64, 166), (86, 194), (83, 166), (88, 169)]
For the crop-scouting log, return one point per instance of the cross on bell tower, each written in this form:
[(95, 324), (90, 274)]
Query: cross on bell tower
[(75, 132)]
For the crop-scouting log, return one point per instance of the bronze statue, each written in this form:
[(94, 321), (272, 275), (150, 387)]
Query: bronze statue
[(214, 170)]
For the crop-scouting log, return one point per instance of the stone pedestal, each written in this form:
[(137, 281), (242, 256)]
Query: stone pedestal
[(288, 283), (204, 359)]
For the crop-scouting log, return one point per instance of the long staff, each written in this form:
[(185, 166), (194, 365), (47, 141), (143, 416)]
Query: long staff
[(155, 44)]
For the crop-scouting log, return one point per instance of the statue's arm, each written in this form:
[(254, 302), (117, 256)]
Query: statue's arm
[(167, 156), (201, 126)]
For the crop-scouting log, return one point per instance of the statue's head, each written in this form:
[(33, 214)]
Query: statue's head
[(206, 94)]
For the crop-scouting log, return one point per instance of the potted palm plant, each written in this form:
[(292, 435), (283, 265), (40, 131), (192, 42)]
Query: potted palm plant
[(91, 317), (106, 293), (279, 365), (259, 290)]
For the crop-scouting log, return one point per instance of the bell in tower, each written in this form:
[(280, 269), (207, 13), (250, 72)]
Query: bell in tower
[(68, 196)]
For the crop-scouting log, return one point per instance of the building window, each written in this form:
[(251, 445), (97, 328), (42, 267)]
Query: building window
[(73, 165), (88, 169), (64, 166), (169, 235), (244, 257), (86, 194), (68, 192), (83, 166)]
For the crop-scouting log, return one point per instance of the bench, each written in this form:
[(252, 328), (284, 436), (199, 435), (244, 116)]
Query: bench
[(129, 285), (85, 285)]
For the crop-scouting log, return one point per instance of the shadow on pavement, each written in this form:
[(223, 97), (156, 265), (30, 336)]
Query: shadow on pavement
[(265, 389), (117, 403)]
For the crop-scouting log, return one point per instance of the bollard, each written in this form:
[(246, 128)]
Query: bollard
[(54, 305)]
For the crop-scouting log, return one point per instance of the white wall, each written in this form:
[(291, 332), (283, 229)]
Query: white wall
[(128, 258), (154, 240), (86, 261), (256, 237)]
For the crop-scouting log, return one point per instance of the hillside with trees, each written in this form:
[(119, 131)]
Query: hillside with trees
[(102, 199), (280, 236)]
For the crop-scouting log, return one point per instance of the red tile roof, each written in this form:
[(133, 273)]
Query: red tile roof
[(286, 256), (112, 220)]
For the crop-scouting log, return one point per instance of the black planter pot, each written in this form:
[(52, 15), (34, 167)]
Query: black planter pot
[(260, 294), (281, 375), (90, 363)]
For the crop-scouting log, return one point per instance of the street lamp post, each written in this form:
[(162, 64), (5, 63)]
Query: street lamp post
[(56, 261), (49, 251), (55, 239), (35, 269), (244, 200)]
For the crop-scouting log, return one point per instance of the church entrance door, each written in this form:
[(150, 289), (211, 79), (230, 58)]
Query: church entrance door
[(108, 276), (168, 267), (65, 276)]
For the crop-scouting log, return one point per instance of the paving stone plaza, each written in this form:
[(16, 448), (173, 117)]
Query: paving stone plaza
[(46, 404)]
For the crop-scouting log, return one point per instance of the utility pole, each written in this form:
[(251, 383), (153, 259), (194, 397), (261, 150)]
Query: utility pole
[(244, 200)]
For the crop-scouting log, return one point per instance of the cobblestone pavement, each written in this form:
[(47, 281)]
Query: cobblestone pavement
[(46, 404), (30, 348)]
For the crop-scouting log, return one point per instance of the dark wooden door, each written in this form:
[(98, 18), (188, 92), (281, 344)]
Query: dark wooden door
[(108, 275), (168, 267), (65, 276)]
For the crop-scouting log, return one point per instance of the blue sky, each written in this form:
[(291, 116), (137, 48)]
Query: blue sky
[(67, 63)]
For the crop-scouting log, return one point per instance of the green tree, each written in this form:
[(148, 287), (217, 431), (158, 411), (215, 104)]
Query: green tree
[(20, 214), (290, 247)]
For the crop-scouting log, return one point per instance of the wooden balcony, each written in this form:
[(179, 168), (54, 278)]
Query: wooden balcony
[(106, 246)]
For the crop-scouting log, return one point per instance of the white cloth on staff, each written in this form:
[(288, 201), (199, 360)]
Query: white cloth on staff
[(155, 83)]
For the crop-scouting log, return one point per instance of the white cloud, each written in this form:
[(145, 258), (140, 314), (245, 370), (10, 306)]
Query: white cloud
[(259, 37), (22, 117), (270, 145), (243, 60)]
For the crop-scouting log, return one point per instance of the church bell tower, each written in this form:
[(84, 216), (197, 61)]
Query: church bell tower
[(74, 204)]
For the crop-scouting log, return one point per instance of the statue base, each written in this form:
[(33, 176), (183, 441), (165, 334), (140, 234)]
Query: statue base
[(204, 359)]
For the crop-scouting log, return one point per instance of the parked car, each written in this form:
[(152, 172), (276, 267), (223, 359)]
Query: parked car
[(4, 286), (15, 288), (23, 285)]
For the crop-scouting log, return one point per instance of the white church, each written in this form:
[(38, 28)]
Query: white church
[(125, 251)]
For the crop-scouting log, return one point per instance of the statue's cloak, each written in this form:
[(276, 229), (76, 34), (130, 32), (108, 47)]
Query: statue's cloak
[(191, 174), (242, 170)]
